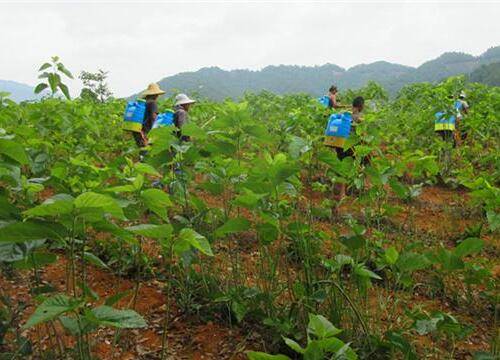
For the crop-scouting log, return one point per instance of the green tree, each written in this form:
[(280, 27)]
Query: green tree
[(95, 86), (51, 74)]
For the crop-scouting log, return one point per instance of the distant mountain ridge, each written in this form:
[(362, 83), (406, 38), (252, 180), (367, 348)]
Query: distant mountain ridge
[(217, 84), (18, 91)]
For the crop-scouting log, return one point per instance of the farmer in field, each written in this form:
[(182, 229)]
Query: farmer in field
[(339, 127), (151, 95), (182, 105), (447, 125), (462, 109), (332, 95)]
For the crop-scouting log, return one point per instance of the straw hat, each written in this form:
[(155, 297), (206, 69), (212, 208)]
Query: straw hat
[(153, 89), (183, 99), (462, 95)]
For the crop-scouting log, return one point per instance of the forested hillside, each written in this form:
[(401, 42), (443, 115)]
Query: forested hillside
[(215, 83)]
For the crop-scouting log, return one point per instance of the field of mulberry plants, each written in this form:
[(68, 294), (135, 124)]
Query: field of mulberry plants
[(232, 245)]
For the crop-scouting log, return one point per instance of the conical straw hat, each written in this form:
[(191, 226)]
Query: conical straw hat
[(153, 89)]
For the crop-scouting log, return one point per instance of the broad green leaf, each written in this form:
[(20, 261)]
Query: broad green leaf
[(335, 346), (59, 204), (121, 189), (468, 247), (321, 327), (64, 90), (26, 231), (233, 226), (268, 232), (7, 210), (196, 240), (91, 200), (53, 82), (123, 319), (144, 168), (426, 326), (65, 71), (399, 189), (353, 242), (94, 260), (192, 130), (362, 271), (493, 219), (36, 259), (298, 146), (239, 310), (410, 262), (391, 255), (157, 201), (45, 66), (292, 344), (152, 230), (51, 308), (257, 355), (14, 151), (77, 327), (248, 200), (40, 87)]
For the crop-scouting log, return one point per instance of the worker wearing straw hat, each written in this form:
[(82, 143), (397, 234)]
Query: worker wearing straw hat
[(151, 95), (182, 105)]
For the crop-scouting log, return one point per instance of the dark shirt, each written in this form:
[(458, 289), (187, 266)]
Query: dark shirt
[(149, 116), (181, 119), (180, 116)]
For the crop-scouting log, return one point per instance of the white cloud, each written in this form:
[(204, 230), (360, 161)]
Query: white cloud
[(140, 43)]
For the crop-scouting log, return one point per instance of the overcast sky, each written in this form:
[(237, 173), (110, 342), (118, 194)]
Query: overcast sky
[(141, 43)]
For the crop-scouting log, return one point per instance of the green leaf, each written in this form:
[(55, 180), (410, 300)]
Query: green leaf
[(493, 220), (192, 130), (248, 200), (391, 255), (468, 247), (196, 240), (239, 310), (399, 189), (298, 146), (59, 204), (7, 210), (65, 71), (233, 226), (362, 271), (117, 297), (268, 232), (26, 231), (45, 66), (94, 260), (64, 90), (37, 259), (40, 87), (123, 319), (14, 151), (292, 344), (77, 327), (353, 242), (152, 231), (91, 200), (144, 168), (410, 262), (157, 201), (121, 189), (257, 355), (52, 308), (321, 327), (53, 82), (426, 326)]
